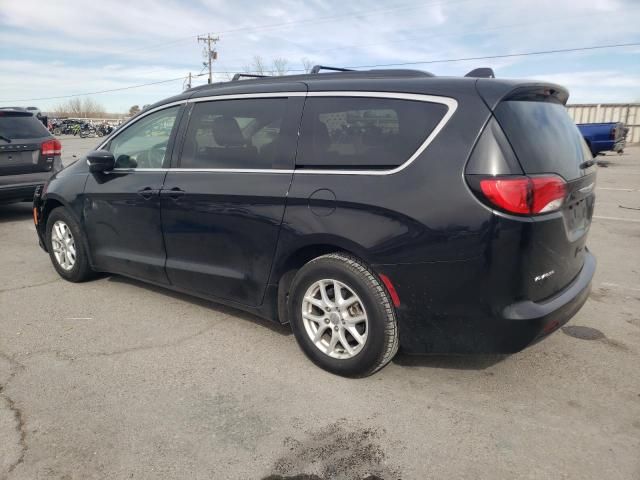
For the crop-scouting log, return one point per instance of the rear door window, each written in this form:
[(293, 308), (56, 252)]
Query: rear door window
[(239, 134), (354, 132), (21, 125), (543, 137)]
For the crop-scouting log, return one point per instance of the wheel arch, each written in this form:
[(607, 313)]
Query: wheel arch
[(49, 205), (55, 201), (288, 265)]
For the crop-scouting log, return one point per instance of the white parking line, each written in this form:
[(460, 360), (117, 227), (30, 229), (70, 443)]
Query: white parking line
[(618, 219), (618, 189)]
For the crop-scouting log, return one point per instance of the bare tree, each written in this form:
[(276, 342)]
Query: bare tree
[(256, 66), (79, 107), (280, 66), (307, 64)]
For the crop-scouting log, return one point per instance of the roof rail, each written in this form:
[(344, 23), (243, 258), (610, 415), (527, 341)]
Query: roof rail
[(483, 72), (317, 68), (238, 76)]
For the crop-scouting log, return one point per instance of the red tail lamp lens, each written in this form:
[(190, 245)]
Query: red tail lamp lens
[(51, 147), (525, 195)]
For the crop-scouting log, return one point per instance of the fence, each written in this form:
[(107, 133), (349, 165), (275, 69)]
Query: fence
[(627, 113)]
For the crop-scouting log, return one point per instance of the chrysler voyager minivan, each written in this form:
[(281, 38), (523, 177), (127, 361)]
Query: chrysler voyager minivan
[(370, 210)]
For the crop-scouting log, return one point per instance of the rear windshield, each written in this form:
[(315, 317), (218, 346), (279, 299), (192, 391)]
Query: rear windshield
[(544, 137), (21, 126)]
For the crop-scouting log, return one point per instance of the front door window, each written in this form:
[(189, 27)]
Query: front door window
[(144, 144)]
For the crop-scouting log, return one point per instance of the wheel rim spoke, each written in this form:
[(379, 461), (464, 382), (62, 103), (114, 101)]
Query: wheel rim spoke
[(337, 293), (356, 335), (315, 301), (332, 343), (349, 301), (355, 320), (320, 332), (312, 317), (345, 343), (325, 296)]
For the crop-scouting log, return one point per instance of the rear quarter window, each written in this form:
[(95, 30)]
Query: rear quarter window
[(21, 126), (344, 132), (543, 137)]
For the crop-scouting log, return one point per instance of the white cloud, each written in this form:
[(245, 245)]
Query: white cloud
[(101, 45)]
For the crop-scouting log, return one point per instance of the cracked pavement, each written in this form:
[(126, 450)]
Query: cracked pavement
[(115, 379)]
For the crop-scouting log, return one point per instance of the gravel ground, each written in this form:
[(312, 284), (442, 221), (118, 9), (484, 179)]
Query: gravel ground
[(116, 379)]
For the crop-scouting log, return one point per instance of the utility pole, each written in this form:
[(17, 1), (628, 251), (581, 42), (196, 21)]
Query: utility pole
[(211, 53)]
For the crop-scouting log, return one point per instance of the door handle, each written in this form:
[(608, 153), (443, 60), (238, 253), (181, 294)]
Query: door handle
[(174, 193), (147, 192)]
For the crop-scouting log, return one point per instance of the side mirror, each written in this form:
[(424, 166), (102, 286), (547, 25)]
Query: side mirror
[(100, 161)]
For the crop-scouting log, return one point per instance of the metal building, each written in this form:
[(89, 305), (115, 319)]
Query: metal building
[(627, 113)]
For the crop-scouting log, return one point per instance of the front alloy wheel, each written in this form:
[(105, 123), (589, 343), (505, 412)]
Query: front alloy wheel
[(66, 246), (63, 244), (335, 319)]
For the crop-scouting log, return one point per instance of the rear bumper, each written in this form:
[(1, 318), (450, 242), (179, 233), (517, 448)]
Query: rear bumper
[(445, 308), (542, 318), (18, 193), (18, 188)]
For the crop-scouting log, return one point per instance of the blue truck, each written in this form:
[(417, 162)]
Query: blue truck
[(604, 137)]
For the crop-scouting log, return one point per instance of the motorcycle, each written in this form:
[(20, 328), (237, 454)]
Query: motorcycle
[(104, 129), (87, 130)]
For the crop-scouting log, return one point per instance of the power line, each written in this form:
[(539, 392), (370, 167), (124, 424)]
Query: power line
[(267, 26), (508, 55), (100, 91), (486, 57), (423, 62)]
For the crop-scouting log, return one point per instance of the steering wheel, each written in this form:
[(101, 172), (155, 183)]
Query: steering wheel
[(152, 158)]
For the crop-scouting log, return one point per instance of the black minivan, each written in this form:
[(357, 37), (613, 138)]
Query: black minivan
[(370, 210)]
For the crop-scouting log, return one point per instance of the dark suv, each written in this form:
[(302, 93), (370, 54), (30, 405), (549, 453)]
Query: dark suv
[(371, 210), (29, 154)]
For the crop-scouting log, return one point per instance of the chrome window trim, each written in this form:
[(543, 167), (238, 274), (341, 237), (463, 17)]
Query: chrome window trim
[(451, 103), (240, 96)]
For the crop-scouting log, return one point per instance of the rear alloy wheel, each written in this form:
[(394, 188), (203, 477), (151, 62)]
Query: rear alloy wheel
[(334, 318), (342, 316)]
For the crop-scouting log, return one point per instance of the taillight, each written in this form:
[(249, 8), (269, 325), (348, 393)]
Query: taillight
[(524, 195), (612, 135), (51, 147)]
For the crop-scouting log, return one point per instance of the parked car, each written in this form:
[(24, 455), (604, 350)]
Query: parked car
[(370, 210), (604, 137), (29, 155)]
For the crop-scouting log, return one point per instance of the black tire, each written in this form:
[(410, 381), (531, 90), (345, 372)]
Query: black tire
[(81, 270), (382, 330)]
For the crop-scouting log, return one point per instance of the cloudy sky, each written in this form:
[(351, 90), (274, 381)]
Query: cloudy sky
[(67, 47)]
